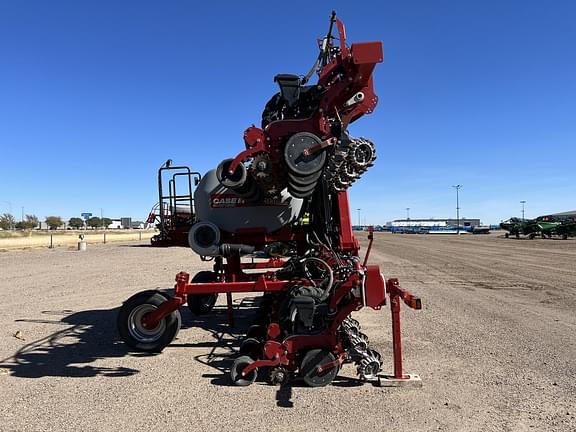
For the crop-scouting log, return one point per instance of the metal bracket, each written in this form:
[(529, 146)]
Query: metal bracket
[(409, 380)]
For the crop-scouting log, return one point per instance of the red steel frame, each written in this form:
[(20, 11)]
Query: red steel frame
[(349, 72), (235, 280)]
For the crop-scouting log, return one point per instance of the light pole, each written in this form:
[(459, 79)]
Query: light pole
[(523, 202), (22, 218), (359, 221), (407, 213), (457, 187)]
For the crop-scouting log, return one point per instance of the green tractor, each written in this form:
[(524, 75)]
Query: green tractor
[(530, 228), (566, 229)]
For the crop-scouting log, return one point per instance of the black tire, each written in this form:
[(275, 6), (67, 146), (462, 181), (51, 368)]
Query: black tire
[(251, 347), (132, 331), (272, 110), (236, 372), (201, 304), (309, 368), (300, 195), (309, 188), (256, 331), (304, 180)]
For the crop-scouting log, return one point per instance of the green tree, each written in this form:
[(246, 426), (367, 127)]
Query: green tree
[(94, 222), (30, 222), (7, 221), (106, 222), (76, 222), (54, 222)]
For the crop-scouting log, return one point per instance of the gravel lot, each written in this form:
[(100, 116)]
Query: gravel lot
[(495, 345)]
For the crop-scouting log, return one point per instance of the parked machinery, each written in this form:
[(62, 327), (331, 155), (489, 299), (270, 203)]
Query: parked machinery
[(567, 228), (288, 187), (544, 226), (174, 213)]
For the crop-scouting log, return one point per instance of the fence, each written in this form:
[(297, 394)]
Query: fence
[(58, 239)]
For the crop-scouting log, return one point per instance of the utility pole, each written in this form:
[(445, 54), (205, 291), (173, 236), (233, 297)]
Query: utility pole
[(101, 218), (523, 202), (457, 187), (22, 218), (359, 221)]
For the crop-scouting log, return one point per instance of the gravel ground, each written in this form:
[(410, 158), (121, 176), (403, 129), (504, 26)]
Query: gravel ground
[(494, 344)]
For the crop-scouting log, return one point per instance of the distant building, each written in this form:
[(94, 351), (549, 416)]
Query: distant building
[(138, 225), (116, 224), (125, 223), (569, 215), (431, 225)]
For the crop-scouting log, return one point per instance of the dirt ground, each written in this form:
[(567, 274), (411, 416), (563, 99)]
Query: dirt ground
[(495, 345)]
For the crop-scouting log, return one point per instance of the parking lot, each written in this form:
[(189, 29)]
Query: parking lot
[(494, 345)]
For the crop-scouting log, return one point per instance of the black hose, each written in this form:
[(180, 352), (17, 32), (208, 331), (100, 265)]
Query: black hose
[(229, 249), (327, 290)]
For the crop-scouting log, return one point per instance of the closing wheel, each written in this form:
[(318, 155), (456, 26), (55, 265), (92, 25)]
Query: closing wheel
[(236, 372), (201, 304), (144, 338), (310, 364)]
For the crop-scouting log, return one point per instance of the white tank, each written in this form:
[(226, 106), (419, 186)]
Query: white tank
[(229, 212)]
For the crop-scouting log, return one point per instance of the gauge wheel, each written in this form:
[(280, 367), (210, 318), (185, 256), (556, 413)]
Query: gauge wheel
[(201, 304), (251, 347), (131, 326), (236, 372)]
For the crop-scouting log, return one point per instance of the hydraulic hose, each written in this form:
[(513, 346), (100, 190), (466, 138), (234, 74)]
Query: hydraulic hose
[(327, 290)]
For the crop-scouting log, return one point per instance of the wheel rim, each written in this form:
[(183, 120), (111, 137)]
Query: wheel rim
[(239, 365), (309, 368), (370, 370), (136, 326), (249, 378)]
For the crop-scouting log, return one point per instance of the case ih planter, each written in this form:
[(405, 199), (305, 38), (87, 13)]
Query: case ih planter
[(285, 196)]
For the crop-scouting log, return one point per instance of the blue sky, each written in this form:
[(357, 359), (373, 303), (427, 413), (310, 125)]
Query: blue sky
[(94, 96)]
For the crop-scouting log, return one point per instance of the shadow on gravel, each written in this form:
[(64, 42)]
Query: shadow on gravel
[(225, 343), (88, 336), (224, 340)]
